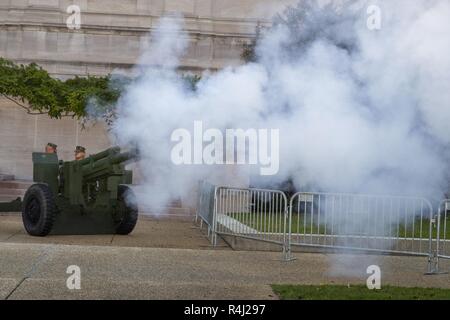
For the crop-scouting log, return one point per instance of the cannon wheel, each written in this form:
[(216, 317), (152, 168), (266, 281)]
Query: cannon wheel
[(129, 210), (38, 210)]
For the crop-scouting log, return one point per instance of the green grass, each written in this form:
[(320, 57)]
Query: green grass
[(358, 292), (301, 224)]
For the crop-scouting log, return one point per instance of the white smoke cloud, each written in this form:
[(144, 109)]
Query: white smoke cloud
[(358, 110)]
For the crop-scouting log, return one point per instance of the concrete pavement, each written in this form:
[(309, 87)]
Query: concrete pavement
[(148, 233), (35, 268)]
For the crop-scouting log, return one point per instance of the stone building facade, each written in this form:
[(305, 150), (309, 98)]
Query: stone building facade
[(111, 36)]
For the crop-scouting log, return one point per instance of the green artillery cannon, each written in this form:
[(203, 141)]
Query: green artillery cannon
[(87, 196)]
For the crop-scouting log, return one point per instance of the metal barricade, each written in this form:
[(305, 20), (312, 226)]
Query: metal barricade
[(442, 234), (251, 213), (205, 206), (337, 221), (369, 223)]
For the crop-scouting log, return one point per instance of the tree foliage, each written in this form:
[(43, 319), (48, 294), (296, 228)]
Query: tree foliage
[(307, 21), (33, 89), (249, 50), (85, 98)]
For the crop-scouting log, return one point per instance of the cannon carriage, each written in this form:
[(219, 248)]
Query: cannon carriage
[(88, 196)]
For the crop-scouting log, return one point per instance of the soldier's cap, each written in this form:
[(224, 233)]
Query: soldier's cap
[(54, 146), (80, 149)]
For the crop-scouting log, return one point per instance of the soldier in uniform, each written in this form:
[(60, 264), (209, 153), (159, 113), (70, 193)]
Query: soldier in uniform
[(80, 153), (50, 148)]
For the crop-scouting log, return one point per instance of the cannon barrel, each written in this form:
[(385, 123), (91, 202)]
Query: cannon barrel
[(105, 160), (105, 153), (123, 157), (98, 156)]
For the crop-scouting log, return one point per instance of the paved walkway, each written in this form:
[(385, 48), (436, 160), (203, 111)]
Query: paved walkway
[(137, 268), (148, 233)]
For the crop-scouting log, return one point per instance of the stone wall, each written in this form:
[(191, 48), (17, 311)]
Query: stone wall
[(113, 32), (21, 134), (111, 36)]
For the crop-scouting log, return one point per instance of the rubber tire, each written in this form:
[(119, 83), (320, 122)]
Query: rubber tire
[(38, 210), (130, 215)]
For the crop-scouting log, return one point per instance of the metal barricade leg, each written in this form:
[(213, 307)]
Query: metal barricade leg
[(433, 264), (433, 259), (287, 253)]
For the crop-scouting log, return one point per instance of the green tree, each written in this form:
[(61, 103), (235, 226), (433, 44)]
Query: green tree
[(33, 89)]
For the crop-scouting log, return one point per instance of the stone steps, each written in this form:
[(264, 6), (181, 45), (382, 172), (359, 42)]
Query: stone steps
[(11, 189), (179, 213), (8, 197), (4, 177), (13, 192), (15, 184), (173, 210)]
